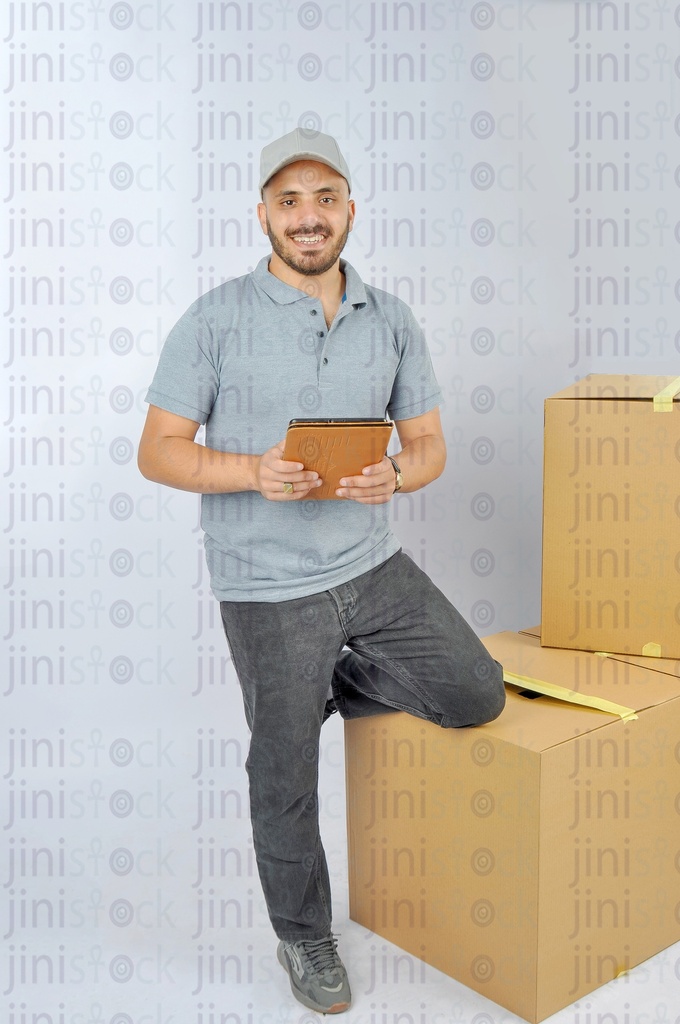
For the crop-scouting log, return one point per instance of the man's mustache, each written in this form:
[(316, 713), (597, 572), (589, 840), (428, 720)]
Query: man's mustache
[(316, 229)]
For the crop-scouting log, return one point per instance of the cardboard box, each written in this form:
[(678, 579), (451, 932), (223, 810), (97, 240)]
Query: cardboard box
[(534, 858), (666, 666), (611, 516)]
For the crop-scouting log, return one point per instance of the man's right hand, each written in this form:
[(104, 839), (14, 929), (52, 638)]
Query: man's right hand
[(273, 477)]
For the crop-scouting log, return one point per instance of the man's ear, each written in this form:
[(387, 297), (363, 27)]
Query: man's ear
[(262, 216), (352, 213)]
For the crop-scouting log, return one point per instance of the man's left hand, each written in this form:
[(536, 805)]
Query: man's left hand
[(375, 486)]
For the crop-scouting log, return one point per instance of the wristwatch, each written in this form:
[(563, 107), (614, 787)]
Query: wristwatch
[(399, 481)]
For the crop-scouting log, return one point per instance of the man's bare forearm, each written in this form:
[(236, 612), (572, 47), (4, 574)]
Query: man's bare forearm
[(421, 461), (179, 462)]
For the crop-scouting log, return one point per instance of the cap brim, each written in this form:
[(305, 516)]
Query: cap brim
[(303, 156)]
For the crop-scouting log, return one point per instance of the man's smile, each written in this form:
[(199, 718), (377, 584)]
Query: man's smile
[(308, 239)]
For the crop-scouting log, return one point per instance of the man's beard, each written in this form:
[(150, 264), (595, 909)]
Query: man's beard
[(315, 262)]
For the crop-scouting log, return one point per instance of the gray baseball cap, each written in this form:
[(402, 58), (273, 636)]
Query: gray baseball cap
[(302, 144)]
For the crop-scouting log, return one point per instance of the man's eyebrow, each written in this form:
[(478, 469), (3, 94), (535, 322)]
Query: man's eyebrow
[(297, 192)]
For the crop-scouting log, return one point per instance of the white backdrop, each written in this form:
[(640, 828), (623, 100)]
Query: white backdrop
[(516, 174)]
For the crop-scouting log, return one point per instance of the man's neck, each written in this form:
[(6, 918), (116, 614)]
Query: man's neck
[(328, 287)]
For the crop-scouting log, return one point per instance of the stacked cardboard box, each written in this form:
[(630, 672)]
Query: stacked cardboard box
[(611, 516), (535, 858)]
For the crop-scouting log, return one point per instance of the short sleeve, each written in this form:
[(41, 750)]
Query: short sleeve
[(186, 381), (415, 389)]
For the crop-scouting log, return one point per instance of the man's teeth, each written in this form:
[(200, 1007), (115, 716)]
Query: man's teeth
[(308, 239)]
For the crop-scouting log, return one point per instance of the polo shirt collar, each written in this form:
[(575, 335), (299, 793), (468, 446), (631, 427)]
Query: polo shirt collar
[(284, 293), (354, 286)]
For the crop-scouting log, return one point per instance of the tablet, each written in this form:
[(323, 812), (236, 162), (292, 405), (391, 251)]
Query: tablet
[(336, 448)]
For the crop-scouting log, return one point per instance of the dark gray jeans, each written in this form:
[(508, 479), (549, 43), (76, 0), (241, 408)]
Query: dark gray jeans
[(410, 650)]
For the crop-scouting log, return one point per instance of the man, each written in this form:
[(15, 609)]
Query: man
[(299, 580)]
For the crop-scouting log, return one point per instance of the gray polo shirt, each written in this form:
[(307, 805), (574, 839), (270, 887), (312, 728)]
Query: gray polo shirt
[(251, 355)]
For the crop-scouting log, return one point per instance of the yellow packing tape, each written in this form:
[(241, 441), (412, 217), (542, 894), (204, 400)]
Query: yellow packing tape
[(572, 696), (663, 402)]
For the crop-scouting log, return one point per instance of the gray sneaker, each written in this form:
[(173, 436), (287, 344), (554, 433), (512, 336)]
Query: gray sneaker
[(317, 974)]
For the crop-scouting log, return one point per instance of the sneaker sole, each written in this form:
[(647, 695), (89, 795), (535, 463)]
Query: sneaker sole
[(305, 1000)]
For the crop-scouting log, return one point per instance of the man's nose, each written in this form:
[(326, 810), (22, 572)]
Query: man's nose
[(308, 210)]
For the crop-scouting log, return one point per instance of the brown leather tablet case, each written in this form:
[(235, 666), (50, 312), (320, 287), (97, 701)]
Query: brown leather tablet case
[(335, 449)]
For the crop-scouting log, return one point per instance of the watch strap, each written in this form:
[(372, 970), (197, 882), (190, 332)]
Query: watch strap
[(398, 474)]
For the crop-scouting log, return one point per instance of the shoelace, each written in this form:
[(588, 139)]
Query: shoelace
[(321, 953)]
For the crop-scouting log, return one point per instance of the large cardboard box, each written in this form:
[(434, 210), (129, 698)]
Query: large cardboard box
[(666, 666), (536, 857), (611, 516)]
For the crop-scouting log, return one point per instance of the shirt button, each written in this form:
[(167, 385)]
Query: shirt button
[(325, 360), (312, 312), (319, 334)]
